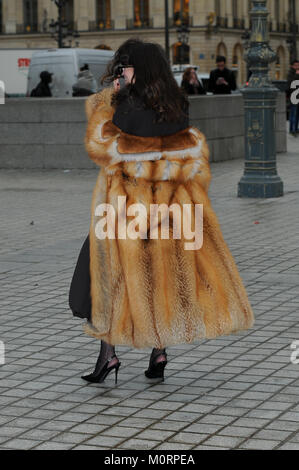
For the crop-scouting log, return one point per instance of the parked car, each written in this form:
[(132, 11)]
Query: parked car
[(65, 64)]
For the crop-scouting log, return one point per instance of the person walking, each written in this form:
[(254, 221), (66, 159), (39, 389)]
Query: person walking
[(293, 75), (42, 90), (152, 284), (222, 80), (190, 83)]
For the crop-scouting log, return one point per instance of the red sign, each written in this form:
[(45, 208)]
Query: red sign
[(23, 62)]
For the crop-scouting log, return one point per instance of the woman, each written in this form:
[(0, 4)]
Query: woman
[(148, 289), (190, 83)]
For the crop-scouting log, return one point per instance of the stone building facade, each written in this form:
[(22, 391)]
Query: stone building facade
[(216, 27)]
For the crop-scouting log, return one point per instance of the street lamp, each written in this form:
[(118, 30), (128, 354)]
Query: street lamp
[(183, 39), (60, 29), (183, 34), (166, 9), (260, 179), (292, 40)]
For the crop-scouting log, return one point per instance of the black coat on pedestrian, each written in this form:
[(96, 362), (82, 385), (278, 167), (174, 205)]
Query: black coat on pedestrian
[(41, 91), (223, 89), (133, 119), (292, 75), (192, 89)]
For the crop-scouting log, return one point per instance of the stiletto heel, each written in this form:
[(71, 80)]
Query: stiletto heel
[(116, 371), (102, 374), (156, 369)]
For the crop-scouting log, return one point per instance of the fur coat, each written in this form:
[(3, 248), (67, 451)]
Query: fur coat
[(153, 292)]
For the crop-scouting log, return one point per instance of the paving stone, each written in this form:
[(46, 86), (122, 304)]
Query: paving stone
[(223, 441), (105, 441), (70, 438), (138, 444), (50, 445), (189, 438), (236, 431), (259, 444), (20, 444), (289, 446), (88, 428), (173, 446)]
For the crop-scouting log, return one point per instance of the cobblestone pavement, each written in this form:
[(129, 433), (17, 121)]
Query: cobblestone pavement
[(235, 392)]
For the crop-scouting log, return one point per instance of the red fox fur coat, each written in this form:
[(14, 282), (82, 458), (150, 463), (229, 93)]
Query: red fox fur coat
[(153, 292)]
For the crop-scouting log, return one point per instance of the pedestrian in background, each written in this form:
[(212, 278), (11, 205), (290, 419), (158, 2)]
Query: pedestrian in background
[(222, 80), (42, 90), (86, 84), (190, 83), (294, 108)]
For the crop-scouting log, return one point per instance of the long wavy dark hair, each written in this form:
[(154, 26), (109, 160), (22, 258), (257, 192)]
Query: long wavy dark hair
[(187, 74), (154, 83)]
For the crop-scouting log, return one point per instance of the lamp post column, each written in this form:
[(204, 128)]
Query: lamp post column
[(167, 30), (60, 33), (260, 178)]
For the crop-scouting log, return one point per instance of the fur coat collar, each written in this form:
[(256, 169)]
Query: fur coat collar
[(153, 292)]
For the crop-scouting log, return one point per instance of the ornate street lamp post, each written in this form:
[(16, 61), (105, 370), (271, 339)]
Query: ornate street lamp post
[(260, 179), (167, 30), (183, 38), (59, 29)]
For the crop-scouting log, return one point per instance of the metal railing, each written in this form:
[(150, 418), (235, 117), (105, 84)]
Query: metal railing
[(140, 24), (222, 22), (101, 25), (182, 21), (281, 27), (238, 23), (27, 28)]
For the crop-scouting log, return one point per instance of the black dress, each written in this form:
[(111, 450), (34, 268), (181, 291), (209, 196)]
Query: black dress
[(132, 119)]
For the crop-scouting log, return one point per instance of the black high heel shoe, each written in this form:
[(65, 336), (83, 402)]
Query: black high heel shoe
[(99, 377), (156, 369)]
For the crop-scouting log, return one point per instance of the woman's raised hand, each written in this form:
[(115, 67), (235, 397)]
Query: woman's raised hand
[(116, 84)]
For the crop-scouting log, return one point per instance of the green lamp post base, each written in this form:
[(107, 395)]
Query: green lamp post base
[(270, 186), (260, 178)]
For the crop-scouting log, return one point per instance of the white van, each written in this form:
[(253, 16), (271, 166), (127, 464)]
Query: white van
[(65, 65), (14, 67)]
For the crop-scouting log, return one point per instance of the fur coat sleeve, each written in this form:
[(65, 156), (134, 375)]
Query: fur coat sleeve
[(154, 292)]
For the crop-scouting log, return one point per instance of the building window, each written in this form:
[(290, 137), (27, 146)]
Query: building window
[(181, 12), (30, 16), (237, 23), (68, 14), (104, 14), (277, 10), (280, 66), (235, 8), (141, 13), (217, 8)]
